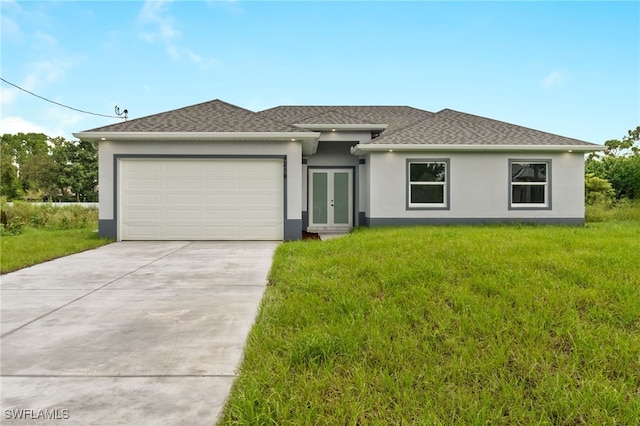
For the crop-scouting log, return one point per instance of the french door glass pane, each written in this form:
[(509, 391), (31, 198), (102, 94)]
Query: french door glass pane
[(341, 198), (320, 198)]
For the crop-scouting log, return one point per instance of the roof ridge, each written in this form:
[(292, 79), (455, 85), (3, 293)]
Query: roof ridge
[(365, 120), (144, 117)]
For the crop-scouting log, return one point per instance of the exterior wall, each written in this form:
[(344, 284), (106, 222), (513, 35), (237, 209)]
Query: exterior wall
[(478, 186), (292, 151), (334, 150)]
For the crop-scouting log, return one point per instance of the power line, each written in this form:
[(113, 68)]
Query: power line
[(62, 105)]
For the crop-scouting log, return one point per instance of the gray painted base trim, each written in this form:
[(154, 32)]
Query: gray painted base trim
[(107, 228), (362, 219), (292, 229), (387, 221), (305, 220)]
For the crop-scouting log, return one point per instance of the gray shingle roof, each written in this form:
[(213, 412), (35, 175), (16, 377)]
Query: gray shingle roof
[(394, 116), (406, 125), (335, 117), (212, 116), (449, 127)]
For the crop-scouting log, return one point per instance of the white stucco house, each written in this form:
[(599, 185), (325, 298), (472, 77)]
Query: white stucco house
[(215, 171)]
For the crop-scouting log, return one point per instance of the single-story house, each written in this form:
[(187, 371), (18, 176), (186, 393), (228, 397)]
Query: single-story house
[(215, 171)]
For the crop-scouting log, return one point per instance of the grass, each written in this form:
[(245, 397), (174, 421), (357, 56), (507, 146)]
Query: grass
[(622, 210), (35, 245), (448, 325)]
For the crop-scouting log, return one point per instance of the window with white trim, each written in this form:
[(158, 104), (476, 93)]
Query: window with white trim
[(530, 184), (427, 183)]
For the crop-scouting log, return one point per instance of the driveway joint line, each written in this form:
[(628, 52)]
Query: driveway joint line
[(92, 291)]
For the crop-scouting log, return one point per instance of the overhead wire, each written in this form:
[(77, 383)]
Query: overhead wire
[(59, 104)]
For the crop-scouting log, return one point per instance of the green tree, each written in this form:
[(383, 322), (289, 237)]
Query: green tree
[(78, 169), (619, 164), (10, 186), (36, 167)]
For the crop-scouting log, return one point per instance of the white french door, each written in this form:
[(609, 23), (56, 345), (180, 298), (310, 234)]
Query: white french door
[(330, 199)]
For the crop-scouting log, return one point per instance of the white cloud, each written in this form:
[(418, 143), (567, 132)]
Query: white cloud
[(15, 124), (554, 78), (153, 12), (232, 6), (178, 53), (7, 95), (45, 39), (42, 72), (10, 29)]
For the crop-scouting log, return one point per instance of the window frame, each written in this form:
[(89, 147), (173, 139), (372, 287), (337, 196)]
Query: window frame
[(445, 205), (547, 185)]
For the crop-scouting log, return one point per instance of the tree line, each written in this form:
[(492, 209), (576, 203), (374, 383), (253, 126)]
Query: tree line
[(615, 173), (36, 167)]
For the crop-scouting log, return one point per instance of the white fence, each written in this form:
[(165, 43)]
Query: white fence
[(87, 205)]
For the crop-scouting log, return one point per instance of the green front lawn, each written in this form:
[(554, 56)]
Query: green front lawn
[(448, 325), (34, 246)]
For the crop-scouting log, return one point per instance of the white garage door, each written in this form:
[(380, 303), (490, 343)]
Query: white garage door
[(200, 199)]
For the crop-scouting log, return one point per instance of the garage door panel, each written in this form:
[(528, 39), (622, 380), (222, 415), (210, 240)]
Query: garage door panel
[(213, 200), (189, 199), (143, 199), (260, 215), (143, 215), (229, 215), (144, 232), (182, 232), (182, 184), (139, 183), (183, 214), (145, 168), (221, 168), (224, 183), (192, 199)]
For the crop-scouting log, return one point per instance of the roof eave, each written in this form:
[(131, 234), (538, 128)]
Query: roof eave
[(309, 140), (362, 149)]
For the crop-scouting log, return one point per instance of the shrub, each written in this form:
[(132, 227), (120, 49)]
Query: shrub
[(598, 191), (23, 214)]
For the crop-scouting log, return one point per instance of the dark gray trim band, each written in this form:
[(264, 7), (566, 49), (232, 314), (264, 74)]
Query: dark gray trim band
[(107, 228), (362, 219), (292, 229), (387, 221)]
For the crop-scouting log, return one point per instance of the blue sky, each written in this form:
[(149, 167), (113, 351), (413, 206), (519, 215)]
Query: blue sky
[(570, 68)]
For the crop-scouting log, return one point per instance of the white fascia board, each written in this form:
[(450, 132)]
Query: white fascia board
[(309, 140), (195, 135), (362, 149), (342, 127)]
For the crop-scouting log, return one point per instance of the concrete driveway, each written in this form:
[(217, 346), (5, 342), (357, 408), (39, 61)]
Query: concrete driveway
[(129, 333)]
